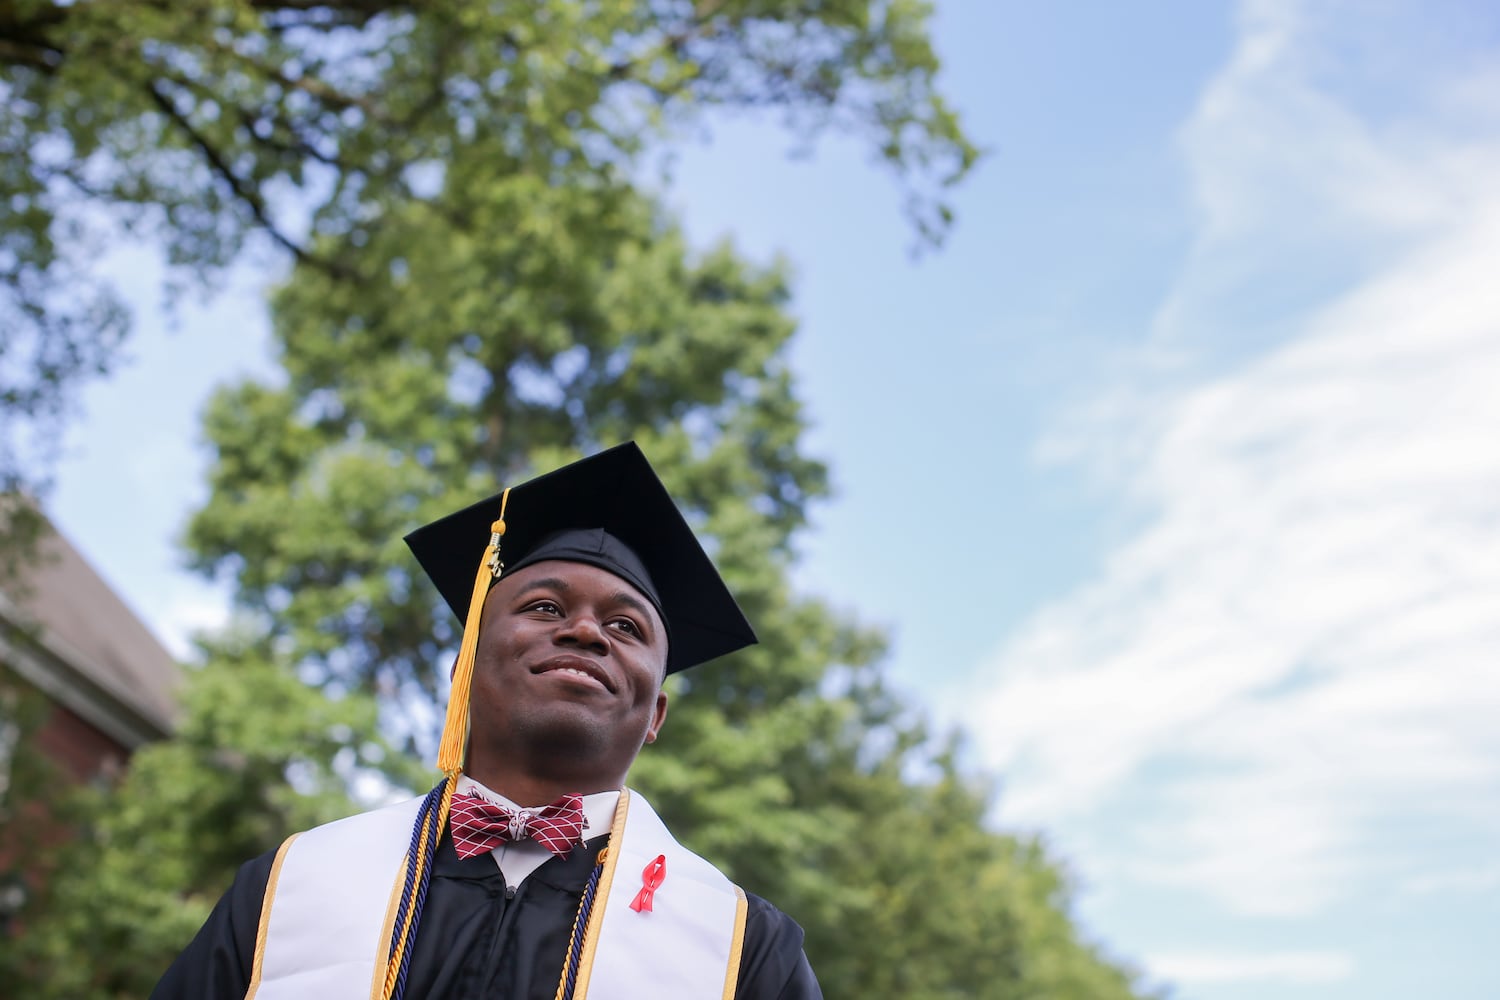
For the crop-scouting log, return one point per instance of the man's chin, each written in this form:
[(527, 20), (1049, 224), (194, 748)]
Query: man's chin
[(568, 730)]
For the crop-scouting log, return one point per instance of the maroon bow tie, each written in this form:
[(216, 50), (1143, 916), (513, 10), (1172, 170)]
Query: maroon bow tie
[(480, 825)]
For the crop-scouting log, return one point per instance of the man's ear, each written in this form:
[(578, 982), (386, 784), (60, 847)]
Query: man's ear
[(659, 718)]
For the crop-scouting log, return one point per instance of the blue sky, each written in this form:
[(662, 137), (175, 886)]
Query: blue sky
[(1172, 475)]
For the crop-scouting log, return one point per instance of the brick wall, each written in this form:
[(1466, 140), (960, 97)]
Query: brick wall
[(81, 750)]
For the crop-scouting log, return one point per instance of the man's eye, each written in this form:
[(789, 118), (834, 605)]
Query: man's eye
[(546, 607), (627, 626)]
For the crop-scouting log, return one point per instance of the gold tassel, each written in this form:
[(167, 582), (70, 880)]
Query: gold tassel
[(456, 725)]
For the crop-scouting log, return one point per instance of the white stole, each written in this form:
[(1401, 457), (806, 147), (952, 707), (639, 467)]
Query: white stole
[(326, 937)]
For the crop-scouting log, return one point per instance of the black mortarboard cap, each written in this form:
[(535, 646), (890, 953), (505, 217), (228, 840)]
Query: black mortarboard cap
[(609, 510)]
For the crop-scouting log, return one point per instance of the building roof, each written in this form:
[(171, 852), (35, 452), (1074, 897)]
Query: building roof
[(73, 637)]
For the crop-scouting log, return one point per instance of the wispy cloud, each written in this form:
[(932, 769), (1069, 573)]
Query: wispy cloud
[(1484, 878), (1283, 967), (1286, 680)]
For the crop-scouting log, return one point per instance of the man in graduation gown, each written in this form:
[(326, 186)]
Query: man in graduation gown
[(527, 882)]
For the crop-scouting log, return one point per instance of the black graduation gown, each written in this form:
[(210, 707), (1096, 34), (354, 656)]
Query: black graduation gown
[(476, 939)]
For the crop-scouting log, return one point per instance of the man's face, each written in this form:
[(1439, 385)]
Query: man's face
[(570, 662)]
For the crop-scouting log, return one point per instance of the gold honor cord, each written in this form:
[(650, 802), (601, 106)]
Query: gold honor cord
[(425, 853)]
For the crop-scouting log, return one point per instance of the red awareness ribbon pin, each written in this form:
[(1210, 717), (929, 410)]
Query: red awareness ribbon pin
[(652, 877)]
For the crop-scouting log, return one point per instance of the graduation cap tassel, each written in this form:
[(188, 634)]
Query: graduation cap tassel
[(456, 725)]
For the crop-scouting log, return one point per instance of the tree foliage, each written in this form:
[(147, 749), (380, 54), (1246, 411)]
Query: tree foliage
[(483, 290), (207, 122)]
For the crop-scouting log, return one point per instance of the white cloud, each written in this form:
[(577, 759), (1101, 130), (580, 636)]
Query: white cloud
[(1285, 967), (1471, 880), (1287, 679)]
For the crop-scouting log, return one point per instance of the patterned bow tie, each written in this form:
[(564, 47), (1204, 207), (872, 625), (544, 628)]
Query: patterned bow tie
[(480, 825)]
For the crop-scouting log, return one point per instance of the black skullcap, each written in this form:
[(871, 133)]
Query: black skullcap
[(611, 511)]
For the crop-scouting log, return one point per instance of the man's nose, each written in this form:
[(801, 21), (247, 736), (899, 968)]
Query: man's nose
[(583, 630)]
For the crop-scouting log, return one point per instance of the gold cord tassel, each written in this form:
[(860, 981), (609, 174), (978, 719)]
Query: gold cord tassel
[(456, 725)]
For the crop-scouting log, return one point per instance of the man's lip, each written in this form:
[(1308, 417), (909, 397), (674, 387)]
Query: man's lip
[(589, 667)]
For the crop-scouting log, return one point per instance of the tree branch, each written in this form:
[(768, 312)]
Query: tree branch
[(244, 192), (25, 42), (36, 54)]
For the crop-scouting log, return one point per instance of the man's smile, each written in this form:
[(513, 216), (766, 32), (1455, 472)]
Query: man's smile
[(579, 667)]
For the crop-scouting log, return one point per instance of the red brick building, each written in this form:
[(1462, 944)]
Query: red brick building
[(97, 682)]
